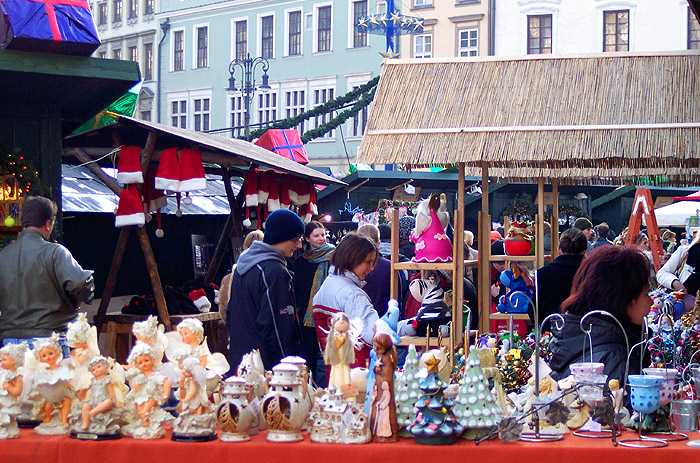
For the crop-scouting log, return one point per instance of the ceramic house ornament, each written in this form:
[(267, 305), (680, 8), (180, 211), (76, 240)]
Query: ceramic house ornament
[(307, 391), (235, 415), (335, 420), (283, 407)]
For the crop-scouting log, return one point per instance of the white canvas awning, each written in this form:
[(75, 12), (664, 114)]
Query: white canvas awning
[(676, 214)]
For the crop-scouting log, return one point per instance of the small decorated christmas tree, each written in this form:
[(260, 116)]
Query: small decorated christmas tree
[(435, 424), (476, 407), (407, 389)]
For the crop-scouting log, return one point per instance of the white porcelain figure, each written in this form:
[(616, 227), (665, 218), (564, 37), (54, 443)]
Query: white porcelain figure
[(11, 386), (308, 391), (283, 407), (196, 422), (235, 415), (251, 369), (52, 379)]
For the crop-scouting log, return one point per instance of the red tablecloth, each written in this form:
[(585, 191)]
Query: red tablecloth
[(31, 447)]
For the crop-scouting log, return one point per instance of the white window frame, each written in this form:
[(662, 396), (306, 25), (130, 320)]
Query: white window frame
[(422, 3), (540, 10), (204, 94), (322, 84), (613, 6), (351, 25), (287, 13), (179, 97), (195, 39), (233, 36), (172, 49), (317, 7), (356, 81), (232, 115), (259, 33), (146, 62), (415, 43), (294, 110), (265, 112), (468, 49)]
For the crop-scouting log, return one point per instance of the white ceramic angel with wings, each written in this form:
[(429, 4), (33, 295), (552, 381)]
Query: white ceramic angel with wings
[(82, 339), (152, 333), (52, 378), (11, 387)]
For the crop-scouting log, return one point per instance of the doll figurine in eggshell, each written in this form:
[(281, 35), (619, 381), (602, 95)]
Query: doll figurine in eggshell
[(196, 420), (149, 390), (11, 384), (82, 339), (52, 379), (340, 351), (100, 415), (189, 341)]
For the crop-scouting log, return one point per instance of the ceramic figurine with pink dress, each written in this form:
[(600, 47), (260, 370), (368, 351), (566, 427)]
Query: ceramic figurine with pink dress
[(52, 379), (11, 385), (196, 421), (189, 341), (432, 243), (149, 391)]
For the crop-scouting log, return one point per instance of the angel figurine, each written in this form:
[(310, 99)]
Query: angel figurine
[(149, 390), (11, 383), (100, 414), (53, 381), (151, 332), (340, 351), (196, 420), (189, 341), (82, 338)]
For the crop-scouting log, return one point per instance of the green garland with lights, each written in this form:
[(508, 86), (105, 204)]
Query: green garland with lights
[(12, 162), (520, 209), (364, 92), (384, 203)]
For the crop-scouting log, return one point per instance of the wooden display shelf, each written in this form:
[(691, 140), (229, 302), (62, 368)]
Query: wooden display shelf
[(420, 341), (527, 258), (10, 230), (506, 316)]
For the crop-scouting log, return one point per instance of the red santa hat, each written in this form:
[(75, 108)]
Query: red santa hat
[(168, 175), (285, 200), (313, 208), (130, 209), (199, 297), (299, 192), (250, 190), (129, 167), (191, 170), (273, 199), (265, 181), (153, 199)]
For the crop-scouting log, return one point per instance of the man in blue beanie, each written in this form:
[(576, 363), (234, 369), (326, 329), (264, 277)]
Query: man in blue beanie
[(260, 314)]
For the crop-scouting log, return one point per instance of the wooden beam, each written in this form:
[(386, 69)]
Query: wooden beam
[(112, 278), (555, 219), (539, 225), (148, 155), (219, 251), (394, 284), (152, 268), (97, 170)]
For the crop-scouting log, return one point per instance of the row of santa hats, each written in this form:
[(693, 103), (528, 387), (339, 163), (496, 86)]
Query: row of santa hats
[(179, 170), (267, 191)]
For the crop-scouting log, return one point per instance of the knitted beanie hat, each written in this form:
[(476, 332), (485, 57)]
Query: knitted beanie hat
[(406, 225), (283, 225), (583, 223)]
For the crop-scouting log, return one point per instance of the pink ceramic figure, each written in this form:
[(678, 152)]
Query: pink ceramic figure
[(432, 244)]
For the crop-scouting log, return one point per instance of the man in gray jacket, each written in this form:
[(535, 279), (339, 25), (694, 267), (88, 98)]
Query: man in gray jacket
[(41, 285)]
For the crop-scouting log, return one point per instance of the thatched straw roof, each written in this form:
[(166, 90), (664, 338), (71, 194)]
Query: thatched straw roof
[(612, 115)]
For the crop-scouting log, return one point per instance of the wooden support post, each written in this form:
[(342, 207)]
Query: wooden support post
[(484, 253), (163, 314), (458, 273), (394, 284), (219, 251), (555, 219), (539, 225), (111, 282)]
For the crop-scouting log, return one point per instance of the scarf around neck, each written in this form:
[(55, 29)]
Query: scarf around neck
[(321, 256)]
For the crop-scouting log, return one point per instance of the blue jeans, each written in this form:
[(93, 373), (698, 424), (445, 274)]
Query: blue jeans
[(30, 341)]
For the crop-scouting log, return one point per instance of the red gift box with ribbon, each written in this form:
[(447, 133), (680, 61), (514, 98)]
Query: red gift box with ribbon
[(286, 143)]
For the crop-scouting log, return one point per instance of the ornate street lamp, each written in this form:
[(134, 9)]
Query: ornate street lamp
[(248, 66)]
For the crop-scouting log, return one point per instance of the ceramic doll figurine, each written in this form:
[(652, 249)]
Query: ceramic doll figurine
[(100, 415), (340, 351), (52, 379), (82, 338), (383, 410), (196, 421), (189, 341), (149, 390), (11, 382)]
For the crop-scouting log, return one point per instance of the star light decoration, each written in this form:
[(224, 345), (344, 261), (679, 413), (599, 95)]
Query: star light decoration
[(390, 25)]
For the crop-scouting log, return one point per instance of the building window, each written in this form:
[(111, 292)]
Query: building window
[(267, 24), (693, 31), (102, 55), (419, 3), (148, 8), (323, 26), (267, 108), (237, 116), (133, 8), (117, 11), (359, 36), (147, 61), (294, 37), (423, 46), (323, 95), (202, 47), (294, 102), (178, 50), (616, 33), (539, 34), (178, 113), (102, 14), (133, 54), (469, 42), (145, 115), (117, 54), (201, 114), (241, 39), (359, 121)]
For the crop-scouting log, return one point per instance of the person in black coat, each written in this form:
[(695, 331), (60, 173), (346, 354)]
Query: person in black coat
[(554, 280), (614, 279)]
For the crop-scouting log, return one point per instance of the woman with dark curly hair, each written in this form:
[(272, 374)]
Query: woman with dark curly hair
[(614, 279)]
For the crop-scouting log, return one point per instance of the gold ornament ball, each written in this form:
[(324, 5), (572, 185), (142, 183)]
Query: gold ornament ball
[(9, 221)]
